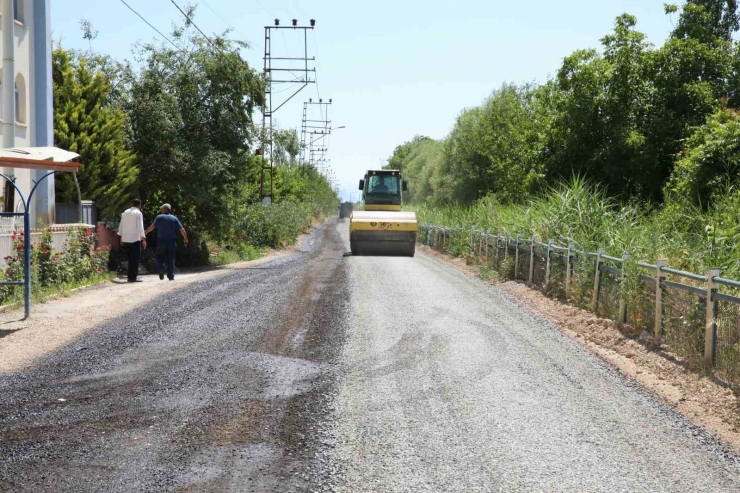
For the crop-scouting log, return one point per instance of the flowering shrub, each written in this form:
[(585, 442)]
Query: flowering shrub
[(79, 261)]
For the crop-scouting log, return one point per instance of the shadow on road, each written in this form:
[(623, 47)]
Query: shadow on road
[(5, 333)]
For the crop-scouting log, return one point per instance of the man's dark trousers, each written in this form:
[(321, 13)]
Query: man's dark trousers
[(133, 251), (165, 256)]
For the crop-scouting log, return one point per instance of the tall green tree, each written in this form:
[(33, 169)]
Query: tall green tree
[(710, 21), (84, 123), (600, 102), (190, 125), (691, 75), (419, 161)]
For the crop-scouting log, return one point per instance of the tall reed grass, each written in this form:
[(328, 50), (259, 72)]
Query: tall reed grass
[(582, 213)]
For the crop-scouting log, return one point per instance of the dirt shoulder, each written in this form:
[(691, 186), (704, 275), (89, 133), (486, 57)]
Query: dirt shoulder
[(702, 400), (59, 321)]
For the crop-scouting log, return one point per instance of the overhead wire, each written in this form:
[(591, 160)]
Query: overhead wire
[(150, 25), (190, 20), (315, 74), (229, 24), (287, 88)]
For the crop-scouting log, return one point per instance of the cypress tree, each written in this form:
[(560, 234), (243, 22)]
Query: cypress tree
[(85, 124)]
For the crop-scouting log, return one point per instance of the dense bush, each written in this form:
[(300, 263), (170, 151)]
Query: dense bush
[(274, 226), (710, 160), (303, 197)]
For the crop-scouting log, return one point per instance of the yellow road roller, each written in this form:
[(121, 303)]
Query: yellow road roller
[(381, 228)]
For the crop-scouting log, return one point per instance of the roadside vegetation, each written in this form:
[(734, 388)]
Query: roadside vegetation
[(583, 213), (175, 125), (53, 272), (630, 147)]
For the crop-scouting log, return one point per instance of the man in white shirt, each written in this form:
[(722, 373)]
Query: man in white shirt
[(133, 238)]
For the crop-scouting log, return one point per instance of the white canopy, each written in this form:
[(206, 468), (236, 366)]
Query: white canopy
[(42, 158), (40, 154)]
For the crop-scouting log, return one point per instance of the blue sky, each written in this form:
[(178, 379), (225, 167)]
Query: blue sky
[(394, 69)]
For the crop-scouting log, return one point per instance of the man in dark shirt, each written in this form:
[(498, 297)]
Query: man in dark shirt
[(167, 227)]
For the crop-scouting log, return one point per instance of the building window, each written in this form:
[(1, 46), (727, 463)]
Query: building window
[(20, 99), (18, 10)]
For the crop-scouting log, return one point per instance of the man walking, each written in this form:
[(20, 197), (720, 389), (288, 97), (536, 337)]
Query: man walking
[(167, 227), (133, 238)]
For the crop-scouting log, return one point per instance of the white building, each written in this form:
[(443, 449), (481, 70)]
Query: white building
[(26, 102)]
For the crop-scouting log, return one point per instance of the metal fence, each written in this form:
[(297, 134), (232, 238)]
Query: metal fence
[(696, 316)]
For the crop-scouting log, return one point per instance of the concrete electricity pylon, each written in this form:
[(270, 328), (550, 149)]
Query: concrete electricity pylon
[(298, 70)]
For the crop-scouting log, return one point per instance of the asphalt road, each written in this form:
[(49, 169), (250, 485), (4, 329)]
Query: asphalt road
[(317, 371)]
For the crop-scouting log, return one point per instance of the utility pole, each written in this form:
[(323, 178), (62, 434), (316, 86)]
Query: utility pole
[(312, 126), (298, 72)]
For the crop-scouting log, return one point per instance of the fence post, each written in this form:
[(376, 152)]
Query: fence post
[(550, 243), (710, 334), (622, 318), (569, 269), (531, 260), (516, 257), (495, 258), (597, 280), (659, 277)]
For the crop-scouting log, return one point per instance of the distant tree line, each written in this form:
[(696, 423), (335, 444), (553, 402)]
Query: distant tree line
[(645, 123)]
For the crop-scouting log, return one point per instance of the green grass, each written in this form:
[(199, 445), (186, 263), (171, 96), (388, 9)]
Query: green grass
[(43, 294), (240, 254)]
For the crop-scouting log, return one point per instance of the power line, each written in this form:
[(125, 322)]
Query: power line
[(303, 12), (190, 20), (150, 25), (318, 62), (229, 24)]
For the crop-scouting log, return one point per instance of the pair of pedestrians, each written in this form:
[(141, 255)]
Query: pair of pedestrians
[(133, 239)]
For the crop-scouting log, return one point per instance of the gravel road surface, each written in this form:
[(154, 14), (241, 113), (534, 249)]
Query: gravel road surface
[(317, 371)]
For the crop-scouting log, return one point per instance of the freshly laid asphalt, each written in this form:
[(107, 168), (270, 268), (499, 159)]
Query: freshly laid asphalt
[(319, 371)]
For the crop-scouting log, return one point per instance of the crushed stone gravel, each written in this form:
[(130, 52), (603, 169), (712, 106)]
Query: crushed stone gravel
[(447, 384)]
